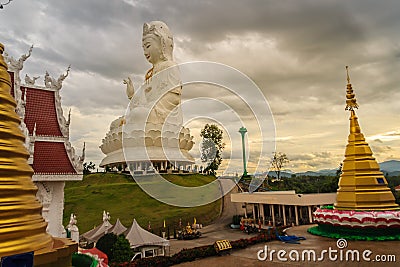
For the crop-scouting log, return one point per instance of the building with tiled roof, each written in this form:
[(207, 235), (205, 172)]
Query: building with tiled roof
[(46, 131)]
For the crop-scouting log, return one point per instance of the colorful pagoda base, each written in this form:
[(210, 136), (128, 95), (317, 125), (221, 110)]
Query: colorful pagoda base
[(365, 207), (357, 225)]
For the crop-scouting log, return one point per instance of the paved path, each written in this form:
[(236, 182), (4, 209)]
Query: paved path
[(218, 230), (248, 257)]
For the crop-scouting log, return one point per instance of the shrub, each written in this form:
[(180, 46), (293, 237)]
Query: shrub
[(106, 243), (82, 260), (121, 250)]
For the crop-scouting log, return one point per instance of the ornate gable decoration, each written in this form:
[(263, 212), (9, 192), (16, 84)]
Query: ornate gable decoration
[(42, 119)]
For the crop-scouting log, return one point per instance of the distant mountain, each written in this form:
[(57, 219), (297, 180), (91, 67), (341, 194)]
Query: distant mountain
[(325, 172), (390, 166), (288, 173), (285, 173)]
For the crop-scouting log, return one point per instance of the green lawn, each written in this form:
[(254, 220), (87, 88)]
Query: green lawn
[(125, 200)]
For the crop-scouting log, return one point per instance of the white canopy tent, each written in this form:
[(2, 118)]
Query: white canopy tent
[(95, 234), (118, 228), (146, 243)]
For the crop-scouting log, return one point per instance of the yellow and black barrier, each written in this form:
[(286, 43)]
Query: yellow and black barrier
[(222, 246)]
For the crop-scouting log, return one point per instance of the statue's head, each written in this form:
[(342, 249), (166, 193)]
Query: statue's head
[(157, 42)]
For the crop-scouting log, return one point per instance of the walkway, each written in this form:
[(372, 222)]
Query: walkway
[(248, 257)]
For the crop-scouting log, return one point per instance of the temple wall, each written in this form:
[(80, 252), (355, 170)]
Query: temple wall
[(51, 195)]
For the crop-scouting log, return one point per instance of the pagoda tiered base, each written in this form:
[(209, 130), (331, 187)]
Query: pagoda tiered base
[(59, 255)]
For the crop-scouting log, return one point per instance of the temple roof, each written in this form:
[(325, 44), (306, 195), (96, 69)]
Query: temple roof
[(47, 129), (51, 157), (40, 109)]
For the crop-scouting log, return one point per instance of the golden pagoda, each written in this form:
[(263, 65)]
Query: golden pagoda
[(362, 185), (22, 228)]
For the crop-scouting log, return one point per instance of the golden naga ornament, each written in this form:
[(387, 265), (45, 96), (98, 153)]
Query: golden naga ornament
[(22, 228)]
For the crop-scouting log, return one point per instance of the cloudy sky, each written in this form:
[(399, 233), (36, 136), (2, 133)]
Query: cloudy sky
[(295, 51)]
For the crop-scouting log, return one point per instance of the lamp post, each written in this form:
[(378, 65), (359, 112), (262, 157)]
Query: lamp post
[(243, 131)]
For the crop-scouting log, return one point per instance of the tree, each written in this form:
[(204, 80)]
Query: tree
[(122, 250), (339, 170), (106, 244), (88, 167), (212, 147), (278, 161)]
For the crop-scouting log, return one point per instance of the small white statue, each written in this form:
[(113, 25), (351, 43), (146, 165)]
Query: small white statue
[(47, 80), (72, 220), (58, 84), (29, 80), (106, 216), (21, 105), (73, 228), (50, 82)]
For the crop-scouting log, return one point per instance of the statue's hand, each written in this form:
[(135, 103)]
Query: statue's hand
[(128, 80), (129, 87)]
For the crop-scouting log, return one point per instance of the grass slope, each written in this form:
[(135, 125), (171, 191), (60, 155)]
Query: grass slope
[(125, 200)]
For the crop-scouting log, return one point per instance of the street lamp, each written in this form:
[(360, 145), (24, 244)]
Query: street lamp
[(243, 131)]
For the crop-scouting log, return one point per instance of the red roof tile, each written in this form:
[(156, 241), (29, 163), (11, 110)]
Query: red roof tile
[(40, 109), (51, 157)]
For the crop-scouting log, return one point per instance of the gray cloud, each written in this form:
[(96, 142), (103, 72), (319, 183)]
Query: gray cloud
[(295, 51)]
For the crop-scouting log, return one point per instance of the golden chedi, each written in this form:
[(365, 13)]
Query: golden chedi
[(365, 208), (22, 228), (362, 185)]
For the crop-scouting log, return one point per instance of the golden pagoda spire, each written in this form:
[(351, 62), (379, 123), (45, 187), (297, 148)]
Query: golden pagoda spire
[(22, 228), (351, 102), (362, 185)]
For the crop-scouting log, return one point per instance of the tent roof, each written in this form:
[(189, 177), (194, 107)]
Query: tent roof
[(118, 228), (95, 234), (139, 237)]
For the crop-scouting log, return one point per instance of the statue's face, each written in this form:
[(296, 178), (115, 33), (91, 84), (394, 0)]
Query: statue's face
[(152, 50)]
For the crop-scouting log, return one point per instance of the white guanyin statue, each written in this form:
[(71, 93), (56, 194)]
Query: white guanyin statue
[(154, 118), (159, 97)]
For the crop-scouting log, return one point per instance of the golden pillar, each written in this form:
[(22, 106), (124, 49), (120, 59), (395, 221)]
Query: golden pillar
[(22, 228), (362, 185)]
